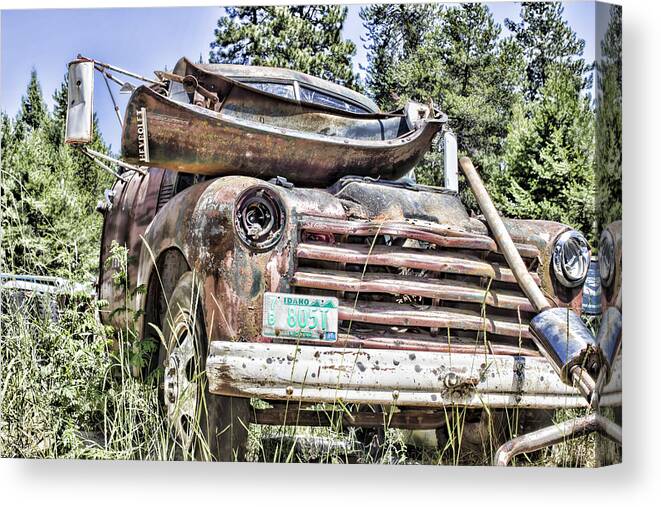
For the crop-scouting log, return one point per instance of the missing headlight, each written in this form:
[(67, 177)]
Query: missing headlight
[(571, 258), (259, 218)]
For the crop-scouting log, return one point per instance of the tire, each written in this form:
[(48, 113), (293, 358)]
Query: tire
[(204, 426)]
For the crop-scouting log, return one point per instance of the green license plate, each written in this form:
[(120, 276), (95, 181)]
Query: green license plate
[(299, 317)]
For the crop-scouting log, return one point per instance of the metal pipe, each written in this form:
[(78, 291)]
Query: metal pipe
[(120, 70), (557, 433), (515, 262), (112, 97), (120, 163), (502, 236), (109, 75), (450, 171), (584, 382), (101, 164)]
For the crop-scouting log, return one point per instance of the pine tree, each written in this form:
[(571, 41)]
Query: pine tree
[(60, 99), (545, 38), (33, 112), (608, 135), (476, 78), (307, 38), (458, 61), (48, 193), (395, 34), (549, 155)]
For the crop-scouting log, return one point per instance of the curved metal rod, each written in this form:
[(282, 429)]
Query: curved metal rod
[(567, 430)]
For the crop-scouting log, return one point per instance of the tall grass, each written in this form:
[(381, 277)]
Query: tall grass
[(66, 392)]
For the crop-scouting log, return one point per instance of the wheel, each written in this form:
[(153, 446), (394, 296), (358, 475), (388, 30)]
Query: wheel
[(205, 426)]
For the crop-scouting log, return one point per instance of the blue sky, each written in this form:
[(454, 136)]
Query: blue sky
[(145, 39)]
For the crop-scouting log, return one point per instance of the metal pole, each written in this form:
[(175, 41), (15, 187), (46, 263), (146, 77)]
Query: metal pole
[(109, 75), (112, 97), (120, 70), (580, 377), (102, 165), (502, 237), (120, 163)]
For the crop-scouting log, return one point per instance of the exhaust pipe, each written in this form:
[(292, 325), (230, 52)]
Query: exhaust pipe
[(560, 334), (557, 433)]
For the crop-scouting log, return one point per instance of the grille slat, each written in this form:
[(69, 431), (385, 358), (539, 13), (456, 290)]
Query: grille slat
[(435, 234), (396, 284), (442, 261), (406, 315)]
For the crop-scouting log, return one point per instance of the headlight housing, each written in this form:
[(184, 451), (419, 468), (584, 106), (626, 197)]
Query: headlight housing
[(606, 258), (259, 218), (571, 259)]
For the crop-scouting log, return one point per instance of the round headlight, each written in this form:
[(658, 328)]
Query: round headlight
[(606, 258), (571, 258), (259, 218)]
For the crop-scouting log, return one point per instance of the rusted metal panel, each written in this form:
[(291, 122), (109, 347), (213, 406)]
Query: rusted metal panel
[(443, 261), (132, 210), (422, 379), (407, 419), (438, 343), (394, 314), (209, 74), (188, 138), (448, 290), (390, 201), (199, 223), (433, 233)]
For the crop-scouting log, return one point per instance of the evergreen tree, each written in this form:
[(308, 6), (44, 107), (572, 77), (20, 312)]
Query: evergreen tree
[(546, 38), (458, 61), (60, 99), (608, 155), (476, 78), (395, 34), (549, 153), (48, 194), (33, 112), (307, 38)]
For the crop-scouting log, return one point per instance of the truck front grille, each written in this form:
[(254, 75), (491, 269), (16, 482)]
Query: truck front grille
[(416, 285)]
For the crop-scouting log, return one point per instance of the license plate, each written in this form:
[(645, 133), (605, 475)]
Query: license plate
[(299, 317)]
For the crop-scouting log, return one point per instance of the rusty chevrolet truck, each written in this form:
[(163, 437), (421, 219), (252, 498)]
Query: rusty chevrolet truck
[(286, 254)]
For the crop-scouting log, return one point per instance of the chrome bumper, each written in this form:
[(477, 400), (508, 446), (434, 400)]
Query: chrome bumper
[(390, 377)]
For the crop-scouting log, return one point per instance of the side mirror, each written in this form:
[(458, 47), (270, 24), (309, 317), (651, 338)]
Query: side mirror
[(80, 97), (450, 170)]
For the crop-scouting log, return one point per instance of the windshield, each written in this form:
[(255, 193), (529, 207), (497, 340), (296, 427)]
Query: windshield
[(286, 90), (280, 89), (324, 99), (307, 94)]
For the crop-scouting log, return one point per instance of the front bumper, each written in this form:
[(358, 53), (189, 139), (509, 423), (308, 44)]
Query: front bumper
[(320, 374)]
